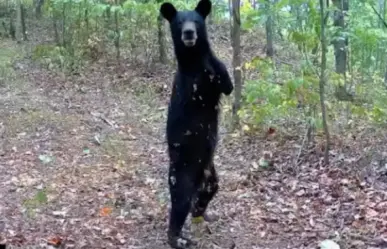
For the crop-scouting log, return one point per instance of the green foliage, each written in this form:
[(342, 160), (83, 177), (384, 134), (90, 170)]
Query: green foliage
[(272, 99), (91, 29), (87, 29), (39, 199), (9, 54), (55, 57), (274, 95)]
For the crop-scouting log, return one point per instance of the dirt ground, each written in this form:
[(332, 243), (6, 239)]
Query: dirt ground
[(83, 164)]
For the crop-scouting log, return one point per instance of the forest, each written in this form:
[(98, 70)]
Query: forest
[(302, 151)]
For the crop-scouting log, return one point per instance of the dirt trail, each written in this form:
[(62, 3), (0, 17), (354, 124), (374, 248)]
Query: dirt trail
[(83, 160)]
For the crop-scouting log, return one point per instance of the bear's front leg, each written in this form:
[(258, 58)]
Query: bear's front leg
[(222, 77)]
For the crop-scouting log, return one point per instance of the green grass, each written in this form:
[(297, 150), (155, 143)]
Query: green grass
[(9, 53)]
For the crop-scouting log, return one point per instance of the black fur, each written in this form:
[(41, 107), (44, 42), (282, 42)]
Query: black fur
[(192, 124)]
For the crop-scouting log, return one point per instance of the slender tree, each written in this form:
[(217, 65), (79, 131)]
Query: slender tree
[(323, 79), (269, 30), (236, 44)]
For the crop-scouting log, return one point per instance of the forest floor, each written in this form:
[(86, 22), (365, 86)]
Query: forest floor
[(83, 164)]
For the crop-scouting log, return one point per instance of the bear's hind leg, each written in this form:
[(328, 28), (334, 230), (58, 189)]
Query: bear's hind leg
[(182, 189), (206, 193)]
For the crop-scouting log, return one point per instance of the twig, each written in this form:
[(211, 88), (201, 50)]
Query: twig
[(107, 121), (379, 16), (302, 145), (103, 118)]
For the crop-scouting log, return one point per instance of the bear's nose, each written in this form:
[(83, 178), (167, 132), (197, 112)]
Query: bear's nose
[(188, 34)]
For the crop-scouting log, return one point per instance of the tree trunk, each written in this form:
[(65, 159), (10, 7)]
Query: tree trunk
[(385, 78), (254, 4), (161, 38), (12, 29), (19, 20), (38, 8), (323, 81), (236, 44), (381, 11), (340, 44), (231, 17), (64, 43), (117, 31), (23, 22), (340, 47), (86, 19), (56, 34), (269, 30), (384, 15)]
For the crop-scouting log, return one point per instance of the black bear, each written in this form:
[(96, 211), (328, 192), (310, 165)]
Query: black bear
[(192, 123)]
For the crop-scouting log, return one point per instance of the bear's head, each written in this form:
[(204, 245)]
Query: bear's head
[(188, 28)]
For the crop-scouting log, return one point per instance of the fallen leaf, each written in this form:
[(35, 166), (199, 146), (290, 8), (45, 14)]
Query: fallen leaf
[(270, 131), (105, 211), (96, 140), (255, 165), (246, 128), (59, 213), (311, 222), (55, 241)]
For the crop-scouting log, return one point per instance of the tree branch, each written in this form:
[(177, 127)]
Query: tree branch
[(379, 16)]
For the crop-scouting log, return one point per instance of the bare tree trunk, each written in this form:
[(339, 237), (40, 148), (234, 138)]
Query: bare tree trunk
[(231, 16), (340, 44), (385, 78), (19, 25), (23, 22), (12, 28), (236, 38), (55, 27), (56, 34), (269, 30), (254, 4), (64, 43), (296, 10), (161, 37), (384, 15), (117, 31), (86, 18), (323, 81), (381, 11), (340, 47), (38, 8)]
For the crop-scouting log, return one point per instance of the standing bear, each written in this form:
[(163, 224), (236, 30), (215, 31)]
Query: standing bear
[(192, 123)]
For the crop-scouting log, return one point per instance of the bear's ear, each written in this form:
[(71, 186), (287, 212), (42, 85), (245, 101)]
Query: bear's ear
[(168, 11), (203, 8)]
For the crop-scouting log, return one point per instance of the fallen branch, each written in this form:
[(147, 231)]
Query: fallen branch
[(302, 145)]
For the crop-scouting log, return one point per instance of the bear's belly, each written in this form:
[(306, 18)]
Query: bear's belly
[(196, 138)]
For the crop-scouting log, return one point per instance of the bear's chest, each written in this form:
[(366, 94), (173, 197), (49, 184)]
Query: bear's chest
[(204, 91)]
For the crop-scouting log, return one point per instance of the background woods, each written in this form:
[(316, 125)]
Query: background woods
[(84, 86)]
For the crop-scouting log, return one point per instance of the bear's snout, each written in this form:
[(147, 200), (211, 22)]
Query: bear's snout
[(188, 34)]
